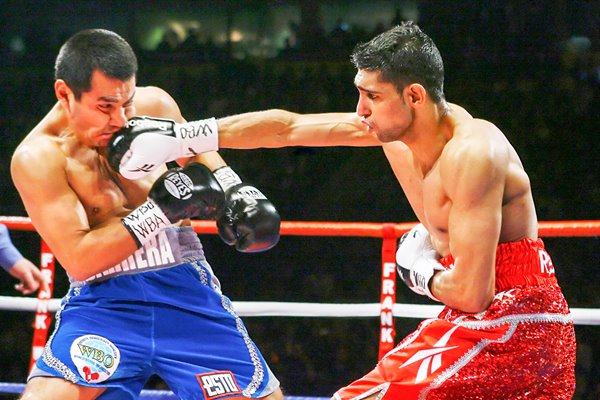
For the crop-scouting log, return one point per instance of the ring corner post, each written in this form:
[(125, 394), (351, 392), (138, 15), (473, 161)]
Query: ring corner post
[(388, 289), (43, 318)]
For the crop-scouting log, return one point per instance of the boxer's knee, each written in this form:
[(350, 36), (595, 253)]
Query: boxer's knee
[(276, 395), (48, 388)]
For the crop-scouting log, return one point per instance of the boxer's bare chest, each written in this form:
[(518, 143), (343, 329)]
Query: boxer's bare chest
[(436, 208), (431, 199), (425, 193), (102, 192)]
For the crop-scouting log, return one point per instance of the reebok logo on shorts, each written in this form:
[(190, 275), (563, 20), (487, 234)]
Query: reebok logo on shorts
[(431, 359), (218, 384)]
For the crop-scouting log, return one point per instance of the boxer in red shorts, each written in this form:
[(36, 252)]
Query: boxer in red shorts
[(506, 331), (515, 349)]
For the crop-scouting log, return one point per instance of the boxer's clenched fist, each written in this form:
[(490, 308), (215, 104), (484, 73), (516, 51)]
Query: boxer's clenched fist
[(250, 221), (146, 143), (179, 193), (417, 260)]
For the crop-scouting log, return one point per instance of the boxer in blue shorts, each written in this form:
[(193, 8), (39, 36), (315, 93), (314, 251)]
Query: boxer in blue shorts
[(143, 299), (185, 331)]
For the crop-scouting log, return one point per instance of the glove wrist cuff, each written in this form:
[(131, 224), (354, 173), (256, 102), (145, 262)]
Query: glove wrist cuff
[(426, 268), (227, 178), (198, 136), (145, 222)]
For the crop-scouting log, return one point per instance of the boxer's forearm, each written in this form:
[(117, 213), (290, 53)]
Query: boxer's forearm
[(280, 128)]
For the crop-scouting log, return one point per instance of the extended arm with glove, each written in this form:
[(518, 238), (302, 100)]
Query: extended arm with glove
[(247, 220), (146, 143), (417, 260)]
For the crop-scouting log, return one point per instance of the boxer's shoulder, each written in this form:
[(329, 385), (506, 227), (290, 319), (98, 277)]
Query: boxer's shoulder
[(154, 101), (149, 92), (39, 146)]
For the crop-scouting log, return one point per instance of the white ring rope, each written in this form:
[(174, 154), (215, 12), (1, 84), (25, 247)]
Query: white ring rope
[(581, 316), (146, 394)]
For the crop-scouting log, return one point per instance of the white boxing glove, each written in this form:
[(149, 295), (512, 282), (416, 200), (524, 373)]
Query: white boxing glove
[(417, 260), (146, 143)]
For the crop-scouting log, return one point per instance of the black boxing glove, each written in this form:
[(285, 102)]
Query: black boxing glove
[(250, 221), (179, 193), (146, 143)]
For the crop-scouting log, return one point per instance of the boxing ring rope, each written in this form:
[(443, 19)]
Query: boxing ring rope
[(387, 309)]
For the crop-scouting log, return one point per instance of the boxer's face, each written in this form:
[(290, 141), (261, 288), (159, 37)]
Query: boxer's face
[(382, 108), (103, 110)]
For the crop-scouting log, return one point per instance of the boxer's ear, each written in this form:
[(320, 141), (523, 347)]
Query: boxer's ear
[(64, 94), (415, 94)]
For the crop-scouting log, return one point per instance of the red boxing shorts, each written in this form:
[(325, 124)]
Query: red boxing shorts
[(521, 347)]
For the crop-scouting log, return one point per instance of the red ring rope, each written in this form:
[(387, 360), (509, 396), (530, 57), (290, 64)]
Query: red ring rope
[(581, 228)]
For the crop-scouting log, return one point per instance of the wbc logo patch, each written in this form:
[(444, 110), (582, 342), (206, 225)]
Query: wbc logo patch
[(218, 384)]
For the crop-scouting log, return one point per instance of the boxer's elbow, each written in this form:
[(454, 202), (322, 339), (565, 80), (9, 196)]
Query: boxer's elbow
[(471, 300), (476, 306), (76, 275), (75, 268), (461, 294), (81, 267)]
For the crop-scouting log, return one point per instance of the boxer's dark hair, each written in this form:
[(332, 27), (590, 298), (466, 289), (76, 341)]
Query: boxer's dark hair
[(403, 55), (94, 49)]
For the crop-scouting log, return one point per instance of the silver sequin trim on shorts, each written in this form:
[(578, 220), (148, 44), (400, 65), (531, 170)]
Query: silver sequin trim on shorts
[(48, 356), (207, 278)]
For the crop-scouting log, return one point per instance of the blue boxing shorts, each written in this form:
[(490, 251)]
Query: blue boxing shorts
[(173, 322)]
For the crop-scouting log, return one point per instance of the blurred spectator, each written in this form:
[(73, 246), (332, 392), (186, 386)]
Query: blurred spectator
[(13, 262), (340, 38), (192, 48), (169, 42)]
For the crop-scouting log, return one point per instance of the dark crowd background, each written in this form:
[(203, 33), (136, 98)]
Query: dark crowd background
[(532, 68)]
